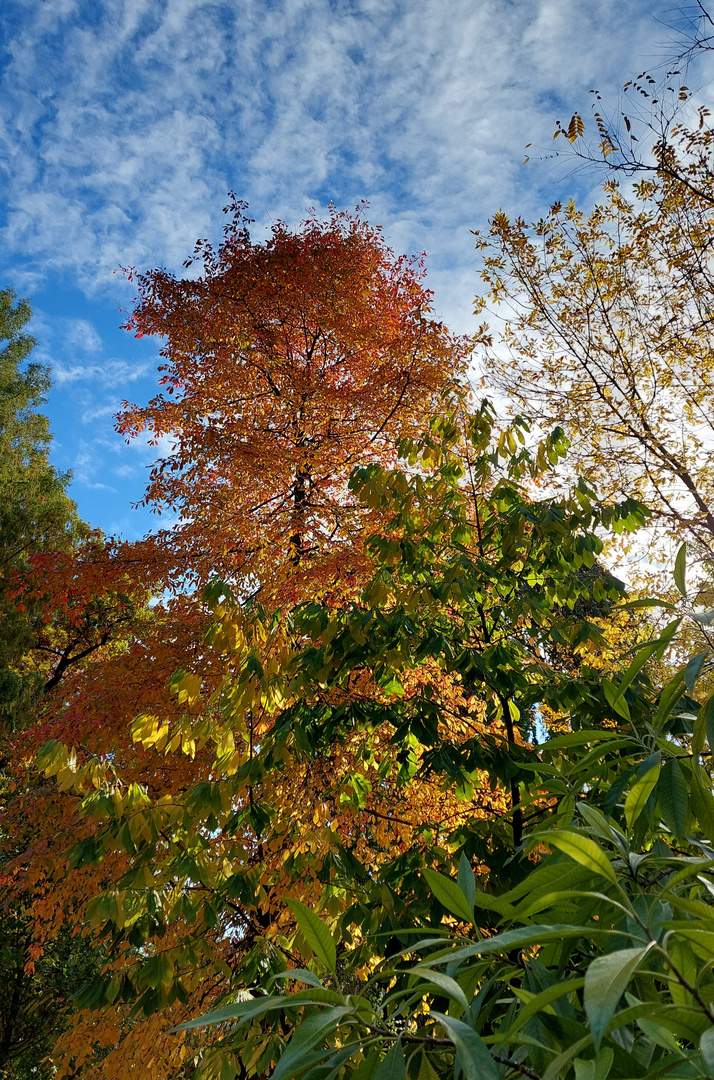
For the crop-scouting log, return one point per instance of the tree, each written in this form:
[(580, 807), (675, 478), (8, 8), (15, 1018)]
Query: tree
[(427, 683), (517, 966), (596, 962), (286, 362), (608, 319), (608, 334), (41, 636), (36, 514)]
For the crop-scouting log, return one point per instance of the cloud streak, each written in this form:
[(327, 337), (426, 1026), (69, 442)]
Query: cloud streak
[(123, 123)]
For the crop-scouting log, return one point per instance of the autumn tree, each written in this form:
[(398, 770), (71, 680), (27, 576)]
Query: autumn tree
[(607, 333), (408, 708), (286, 362), (589, 957)]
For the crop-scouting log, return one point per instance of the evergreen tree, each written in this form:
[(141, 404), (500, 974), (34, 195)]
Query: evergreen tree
[(36, 515)]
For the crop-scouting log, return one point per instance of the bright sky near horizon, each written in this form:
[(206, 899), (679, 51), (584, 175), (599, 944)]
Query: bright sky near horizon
[(123, 124)]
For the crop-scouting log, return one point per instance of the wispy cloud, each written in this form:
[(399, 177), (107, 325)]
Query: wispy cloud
[(111, 372), (123, 123)]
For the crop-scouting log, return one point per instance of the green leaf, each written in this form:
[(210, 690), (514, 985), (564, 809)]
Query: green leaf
[(673, 797), (596, 1068), (449, 895), (598, 822), (521, 938), (312, 1031), (578, 738), (466, 880), (474, 1057), (606, 980), (445, 983), (393, 1066), (614, 699), (639, 793), (702, 802), (708, 710), (706, 1049), (426, 1069), (299, 975), (643, 654), (540, 1001), (316, 934), (244, 1011), (583, 850), (694, 669), (671, 693), (680, 570)]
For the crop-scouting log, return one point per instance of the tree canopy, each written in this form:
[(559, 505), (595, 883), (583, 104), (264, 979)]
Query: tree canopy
[(369, 768)]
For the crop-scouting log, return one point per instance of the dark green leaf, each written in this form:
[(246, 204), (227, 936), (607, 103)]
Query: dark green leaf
[(639, 793), (606, 980), (706, 1049), (449, 895), (312, 1031), (466, 880), (393, 1066), (474, 1056), (673, 797)]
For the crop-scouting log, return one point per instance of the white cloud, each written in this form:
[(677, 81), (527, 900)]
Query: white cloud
[(122, 132), (124, 122), (111, 372)]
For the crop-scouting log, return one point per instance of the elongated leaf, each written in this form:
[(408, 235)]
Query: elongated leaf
[(393, 1066), (709, 721), (445, 983), (599, 822), (449, 895), (706, 1049), (669, 697), (540, 1001), (493, 903), (474, 1056), (316, 934), (243, 1011), (643, 655), (680, 570), (557, 1065), (638, 795), (702, 801), (521, 938), (426, 1070), (633, 605), (466, 880), (694, 669), (606, 980), (583, 850), (312, 1031), (615, 700), (594, 1069), (578, 738), (299, 975), (673, 797)]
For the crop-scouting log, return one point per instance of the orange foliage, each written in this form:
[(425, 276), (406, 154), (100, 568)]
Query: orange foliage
[(286, 363)]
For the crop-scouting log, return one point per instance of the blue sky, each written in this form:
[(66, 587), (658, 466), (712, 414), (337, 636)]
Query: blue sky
[(123, 124)]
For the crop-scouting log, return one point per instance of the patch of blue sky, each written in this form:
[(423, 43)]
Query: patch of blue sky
[(123, 123)]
